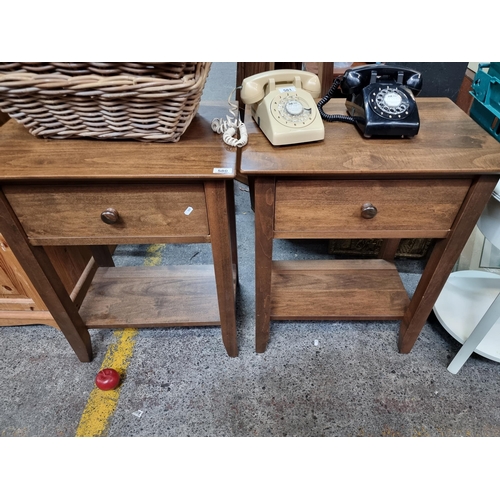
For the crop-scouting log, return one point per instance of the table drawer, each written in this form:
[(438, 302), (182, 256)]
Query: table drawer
[(73, 214), (330, 208)]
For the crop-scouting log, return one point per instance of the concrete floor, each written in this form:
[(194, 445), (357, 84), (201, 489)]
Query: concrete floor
[(315, 379)]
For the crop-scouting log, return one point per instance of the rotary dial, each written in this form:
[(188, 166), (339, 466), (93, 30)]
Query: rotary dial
[(390, 103), (292, 110)]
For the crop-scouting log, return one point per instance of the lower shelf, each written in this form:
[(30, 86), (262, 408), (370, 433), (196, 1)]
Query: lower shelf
[(368, 289), (142, 296)]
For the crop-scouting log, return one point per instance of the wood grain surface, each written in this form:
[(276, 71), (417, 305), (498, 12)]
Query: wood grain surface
[(51, 214), (146, 296), (405, 208), (448, 141), (199, 153), (337, 289)]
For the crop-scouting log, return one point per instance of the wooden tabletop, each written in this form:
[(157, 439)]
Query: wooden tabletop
[(200, 153), (448, 142)]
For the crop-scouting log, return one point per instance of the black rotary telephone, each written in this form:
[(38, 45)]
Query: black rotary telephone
[(380, 100)]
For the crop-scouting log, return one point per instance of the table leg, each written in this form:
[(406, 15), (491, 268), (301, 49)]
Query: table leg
[(102, 255), (264, 216), (441, 262), (388, 249), (231, 210), (221, 219), (39, 269)]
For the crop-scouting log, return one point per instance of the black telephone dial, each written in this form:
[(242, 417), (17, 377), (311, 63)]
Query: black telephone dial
[(380, 100)]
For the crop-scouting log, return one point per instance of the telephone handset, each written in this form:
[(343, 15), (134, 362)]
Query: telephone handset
[(380, 100), (283, 106)]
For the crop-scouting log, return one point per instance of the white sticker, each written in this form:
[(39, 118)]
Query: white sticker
[(188, 210), (288, 89), (138, 413), (223, 170)]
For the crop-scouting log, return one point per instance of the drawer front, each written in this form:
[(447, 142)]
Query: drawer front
[(393, 208), (134, 213)]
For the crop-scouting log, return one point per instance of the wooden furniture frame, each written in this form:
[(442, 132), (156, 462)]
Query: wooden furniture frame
[(434, 185), (95, 194), (20, 303)]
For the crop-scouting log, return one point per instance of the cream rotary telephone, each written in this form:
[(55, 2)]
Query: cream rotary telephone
[(283, 106)]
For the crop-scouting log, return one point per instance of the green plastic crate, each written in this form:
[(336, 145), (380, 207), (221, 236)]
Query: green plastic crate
[(485, 108)]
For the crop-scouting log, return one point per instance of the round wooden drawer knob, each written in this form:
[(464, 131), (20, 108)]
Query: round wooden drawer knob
[(368, 211), (110, 216)]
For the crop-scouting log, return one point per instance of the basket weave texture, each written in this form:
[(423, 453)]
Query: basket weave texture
[(152, 102)]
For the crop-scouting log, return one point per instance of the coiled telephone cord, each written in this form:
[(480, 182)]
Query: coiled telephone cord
[(322, 102), (231, 125)]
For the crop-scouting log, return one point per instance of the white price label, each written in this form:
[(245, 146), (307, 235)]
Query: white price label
[(223, 170), (288, 89)]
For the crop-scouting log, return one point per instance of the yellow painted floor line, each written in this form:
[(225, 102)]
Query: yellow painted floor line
[(102, 404)]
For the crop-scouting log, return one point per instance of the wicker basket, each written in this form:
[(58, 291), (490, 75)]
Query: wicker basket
[(153, 102)]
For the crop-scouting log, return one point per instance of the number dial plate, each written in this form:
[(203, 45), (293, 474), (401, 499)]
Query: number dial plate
[(292, 110), (390, 102)]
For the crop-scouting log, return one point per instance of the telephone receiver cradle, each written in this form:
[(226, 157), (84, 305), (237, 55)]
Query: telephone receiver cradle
[(380, 100), (283, 106)]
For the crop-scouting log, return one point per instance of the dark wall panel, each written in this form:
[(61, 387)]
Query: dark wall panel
[(441, 79)]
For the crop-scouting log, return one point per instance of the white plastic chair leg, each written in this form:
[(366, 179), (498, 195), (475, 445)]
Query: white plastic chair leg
[(482, 328)]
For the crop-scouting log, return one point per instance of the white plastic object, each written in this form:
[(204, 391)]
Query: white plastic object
[(230, 126), (489, 222), (463, 302)]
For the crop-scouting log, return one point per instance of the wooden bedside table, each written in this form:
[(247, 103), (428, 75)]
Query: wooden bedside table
[(102, 193), (434, 185)]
